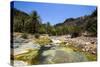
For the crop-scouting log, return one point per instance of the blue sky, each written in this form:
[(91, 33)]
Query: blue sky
[(54, 13)]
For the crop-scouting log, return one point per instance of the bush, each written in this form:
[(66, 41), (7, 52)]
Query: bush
[(24, 35), (37, 36), (73, 35), (43, 40)]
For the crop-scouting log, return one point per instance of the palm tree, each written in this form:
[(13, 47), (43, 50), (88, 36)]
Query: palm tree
[(35, 20), (33, 23)]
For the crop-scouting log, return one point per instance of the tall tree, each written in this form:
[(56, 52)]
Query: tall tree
[(48, 27), (33, 23), (35, 20)]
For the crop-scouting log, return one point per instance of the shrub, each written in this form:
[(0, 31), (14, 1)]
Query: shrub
[(37, 36), (73, 35), (43, 40)]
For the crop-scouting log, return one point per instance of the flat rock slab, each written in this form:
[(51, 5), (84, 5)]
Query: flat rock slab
[(25, 47), (19, 64)]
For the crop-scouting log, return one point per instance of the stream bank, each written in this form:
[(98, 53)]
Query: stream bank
[(59, 49)]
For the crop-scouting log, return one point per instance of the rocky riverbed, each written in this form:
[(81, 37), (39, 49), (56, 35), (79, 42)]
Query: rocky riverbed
[(59, 49)]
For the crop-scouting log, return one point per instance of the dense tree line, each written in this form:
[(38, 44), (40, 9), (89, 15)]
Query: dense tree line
[(31, 23)]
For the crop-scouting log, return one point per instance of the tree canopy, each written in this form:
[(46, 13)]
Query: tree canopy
[(31, 23)]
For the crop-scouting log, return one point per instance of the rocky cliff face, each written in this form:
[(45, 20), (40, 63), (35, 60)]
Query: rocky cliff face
[(80, 21), (85, 23)]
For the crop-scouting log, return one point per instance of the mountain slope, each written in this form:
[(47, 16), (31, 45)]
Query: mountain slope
[(86, 23)]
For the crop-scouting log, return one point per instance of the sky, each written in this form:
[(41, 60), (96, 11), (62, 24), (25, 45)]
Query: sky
[(54, 13)]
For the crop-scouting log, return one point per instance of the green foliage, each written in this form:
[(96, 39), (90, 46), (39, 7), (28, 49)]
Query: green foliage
[(53, 31), (45, 40), (35, 20), (94, 13), (24, 22), (63, 30), (32, 24), (48, 28), (19, 19), (72, 29), (92, 26), (42, 29), (37, 36)]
